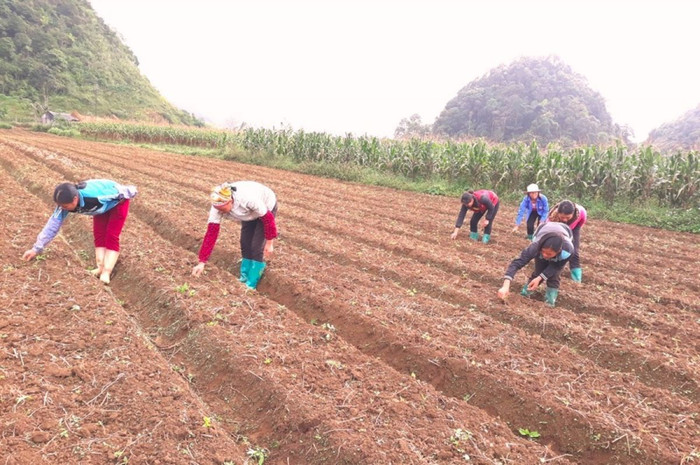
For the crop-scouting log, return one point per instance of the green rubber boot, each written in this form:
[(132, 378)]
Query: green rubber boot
[(474, 236), (529, 237), (550, 296), (486, 238), (245, 267), (577, 274), (254, 273), (524, 292)]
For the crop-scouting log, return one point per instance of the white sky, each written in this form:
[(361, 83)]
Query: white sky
[(360, 66)]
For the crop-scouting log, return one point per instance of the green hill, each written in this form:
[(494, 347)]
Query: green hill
[(532, 98), (681, 134), (59, 55)]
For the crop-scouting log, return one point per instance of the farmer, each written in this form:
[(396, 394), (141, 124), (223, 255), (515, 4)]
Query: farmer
[(551, 248), (534, 208), (108, 204), (255, 206), (573, 215), (480, 202)]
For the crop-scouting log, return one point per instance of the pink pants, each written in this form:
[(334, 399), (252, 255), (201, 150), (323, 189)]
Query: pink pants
[(108, 226)]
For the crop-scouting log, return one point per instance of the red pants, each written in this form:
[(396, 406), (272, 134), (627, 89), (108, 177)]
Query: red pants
[(108, 226)]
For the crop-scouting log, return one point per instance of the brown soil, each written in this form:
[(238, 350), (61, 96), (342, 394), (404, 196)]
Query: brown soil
[(372, 339)]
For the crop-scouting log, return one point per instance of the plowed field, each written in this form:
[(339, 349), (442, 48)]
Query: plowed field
[(372, 339)]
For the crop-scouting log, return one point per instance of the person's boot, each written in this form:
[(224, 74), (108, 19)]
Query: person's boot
[(254, 273), (486, 238), (245, 267), (99, 261), (577, 274), (524, 292), (111, 257), (529, 237), (474, 236), (550, 296)]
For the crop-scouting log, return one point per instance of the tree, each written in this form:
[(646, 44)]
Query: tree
[(412, 127)]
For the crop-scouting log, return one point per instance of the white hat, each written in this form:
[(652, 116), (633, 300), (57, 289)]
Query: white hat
[(532, 188)]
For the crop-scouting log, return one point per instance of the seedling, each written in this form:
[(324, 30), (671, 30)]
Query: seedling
[(259, 454), (460, 435), (183, 289), (334, 364), (530, 434), (207, 422)]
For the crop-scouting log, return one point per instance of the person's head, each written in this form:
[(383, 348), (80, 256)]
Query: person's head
[(533, 191), (468, 199), (66, 196), (551, 246), (566, 210), (221, 197)]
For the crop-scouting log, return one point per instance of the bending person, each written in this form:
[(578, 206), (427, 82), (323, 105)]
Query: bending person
[(574, 216), (255, 206), (534, 208), (108, 204), (480, 202), (551, 248)]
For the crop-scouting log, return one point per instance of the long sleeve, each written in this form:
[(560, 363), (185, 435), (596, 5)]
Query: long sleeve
[(486, 201), (209, 241), (522, 211), (545, 208), (49, 232), (269, 225), (461, 216), (526, 255)]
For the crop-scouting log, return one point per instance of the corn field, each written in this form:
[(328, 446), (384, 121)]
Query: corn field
[(608, 174), (153, 134)]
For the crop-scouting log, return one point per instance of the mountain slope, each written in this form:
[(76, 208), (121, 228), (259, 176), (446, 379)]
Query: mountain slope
[(59, 55), (681, 134), (532, 98)]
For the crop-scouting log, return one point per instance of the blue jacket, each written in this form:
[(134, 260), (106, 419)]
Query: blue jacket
[(103, 195), (526, 207)]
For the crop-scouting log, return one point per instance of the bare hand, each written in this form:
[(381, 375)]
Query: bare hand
[(454, 235), (515, 229), (29, 254), (503, 293), (197, 270), (534, 283), (269, 248)]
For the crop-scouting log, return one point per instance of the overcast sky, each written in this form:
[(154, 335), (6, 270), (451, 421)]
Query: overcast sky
[(360, 66)]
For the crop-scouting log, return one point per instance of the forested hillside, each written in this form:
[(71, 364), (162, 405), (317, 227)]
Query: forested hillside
[(681, 134), (538, 99), (59, 55)]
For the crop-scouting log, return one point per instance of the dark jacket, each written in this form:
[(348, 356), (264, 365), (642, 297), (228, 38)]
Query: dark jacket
[(534, 250), (484, 201)]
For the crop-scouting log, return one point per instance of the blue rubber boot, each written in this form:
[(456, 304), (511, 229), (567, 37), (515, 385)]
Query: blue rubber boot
[(486, 238), (550, 296), (245, 267), (474, 236), (524, 292), (529, 237), (254, 274), (577, 274)]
